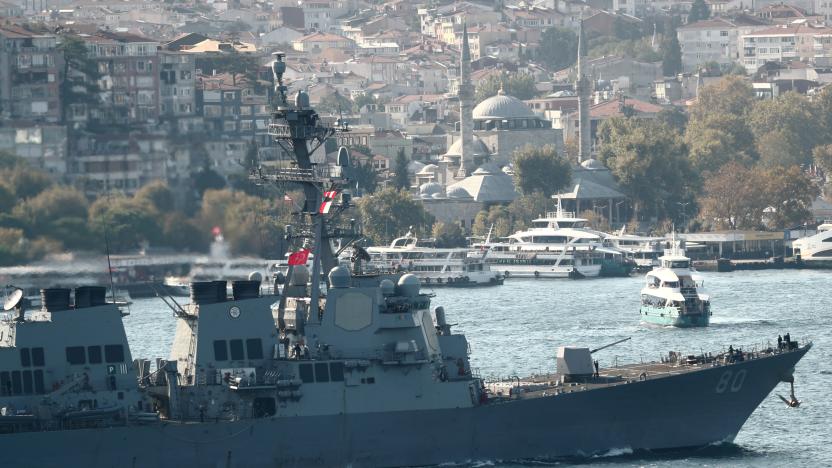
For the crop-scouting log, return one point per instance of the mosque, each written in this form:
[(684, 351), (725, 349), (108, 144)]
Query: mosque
[(475, 171)]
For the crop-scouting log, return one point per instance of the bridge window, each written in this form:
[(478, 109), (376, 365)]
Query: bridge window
[(321, 372), (94, 354), (254, 348), (114, 353), (25, 357), (39, 387), (336, 371), (17, 383), (28, 388), (5, 384), (220, 350), (305, 373), (237, 353), (75, 355), (38, 359)]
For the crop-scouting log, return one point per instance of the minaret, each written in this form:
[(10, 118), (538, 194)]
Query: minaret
[(466, 106), (582, 88)]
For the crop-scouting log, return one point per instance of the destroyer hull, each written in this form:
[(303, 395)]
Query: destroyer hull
[(688, 410)]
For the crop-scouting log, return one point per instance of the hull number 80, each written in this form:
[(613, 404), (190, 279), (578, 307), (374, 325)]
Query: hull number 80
[(731, 381)]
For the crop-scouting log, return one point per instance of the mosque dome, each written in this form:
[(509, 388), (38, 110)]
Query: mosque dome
[(592, 164), (479, 148), (430, 169), (502, 106), (429, 189), (415, 167), (458, 192)]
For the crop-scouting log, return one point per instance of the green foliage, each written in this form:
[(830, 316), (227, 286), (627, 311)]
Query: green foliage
[(389, 213), (448, 235), (674, 118), (78, 83), (649, 161), (364, 99), (251, 225), (558, 48), (335, 103), (787, 130), (698, 11), (208, 179), (238, 65), (823, 158), (401, 178), (364, 176), (516, 216), (25, 182), (41, 212), (158, 195), (540, 169), (184, 234), (671, 54), (731, 95), (519, 85), (636, 49), (7, 199)]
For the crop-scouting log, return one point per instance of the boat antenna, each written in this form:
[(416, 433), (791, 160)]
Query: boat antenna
[(109, 262)]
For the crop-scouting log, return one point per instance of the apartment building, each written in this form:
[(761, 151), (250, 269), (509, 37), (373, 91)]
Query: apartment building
[(782, 43), (29, 65)]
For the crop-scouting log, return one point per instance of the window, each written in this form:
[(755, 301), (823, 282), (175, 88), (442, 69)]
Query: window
[(336, 371), (94, 354), (236, 350), (114, 353), (39, 387), (75, 355), (321, 372), (5, 384), (28, 388), (305, 372), (220, 350), (17, 383), (25, 358), (254, 348)]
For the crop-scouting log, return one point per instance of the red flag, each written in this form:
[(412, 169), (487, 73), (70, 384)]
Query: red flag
[(326, 204), (299, 258)]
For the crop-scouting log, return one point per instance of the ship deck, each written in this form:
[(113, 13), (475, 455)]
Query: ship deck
[(674, 364)]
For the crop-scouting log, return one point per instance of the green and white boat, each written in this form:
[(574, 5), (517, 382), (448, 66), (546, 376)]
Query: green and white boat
[(672, 294)]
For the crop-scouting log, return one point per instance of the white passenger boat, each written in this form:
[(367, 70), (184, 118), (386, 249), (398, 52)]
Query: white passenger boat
[(434, 266), (559, 245), (644, 251), (815, 250), (672, 294)]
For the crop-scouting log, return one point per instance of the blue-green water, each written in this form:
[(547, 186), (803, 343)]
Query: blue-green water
[(515, 329)]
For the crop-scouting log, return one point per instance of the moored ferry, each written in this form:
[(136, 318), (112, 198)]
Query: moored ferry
[(433, 266)]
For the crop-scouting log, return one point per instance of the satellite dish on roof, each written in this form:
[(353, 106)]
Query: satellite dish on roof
[(13, 300)]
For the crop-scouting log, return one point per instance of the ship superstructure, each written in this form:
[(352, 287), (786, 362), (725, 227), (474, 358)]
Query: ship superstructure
[(672, 294)]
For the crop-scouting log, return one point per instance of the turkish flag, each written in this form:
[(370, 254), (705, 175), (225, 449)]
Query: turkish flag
[(299, 258), (326, 203)]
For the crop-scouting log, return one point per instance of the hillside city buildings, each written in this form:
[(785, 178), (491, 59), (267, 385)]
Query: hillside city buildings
[(111, 95)]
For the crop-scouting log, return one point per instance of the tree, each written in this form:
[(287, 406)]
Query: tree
[(823, 158), (698, 11), (650, 162), (26, 182), (335, 103), (674, 118), (519, 85), (671, 54), (731, 95), (448, 235), (208, 179), (127, 223), (250, 225), (53, 204), (717, 139), (159, 195), (401, 177), (364, 176), (78, 83), (789, 193), (540, 169), (184, 234), (7, 199), (787, 129), (732, 198), (558, 48), (390, 213)]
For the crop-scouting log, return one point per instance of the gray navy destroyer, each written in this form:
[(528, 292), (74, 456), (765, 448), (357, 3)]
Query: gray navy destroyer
[(334, 367)]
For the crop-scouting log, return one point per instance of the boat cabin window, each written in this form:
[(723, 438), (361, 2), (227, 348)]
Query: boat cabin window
[(75, 355), (5, 384), (28, 387), (236, 347), (94, 354), (404, 242), (571, 224), (254, 348), (321, 372), (40, 389), (671, 284), (220, 350), (550, 239), (17, 383), (540, 224), (114, 353), (676, 263)]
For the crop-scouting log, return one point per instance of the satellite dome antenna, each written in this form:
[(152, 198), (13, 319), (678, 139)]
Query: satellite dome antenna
[(15, 300)]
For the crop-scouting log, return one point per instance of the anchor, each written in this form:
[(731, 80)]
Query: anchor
[(792, 401)]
